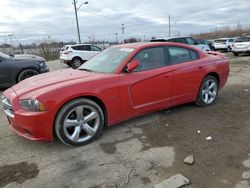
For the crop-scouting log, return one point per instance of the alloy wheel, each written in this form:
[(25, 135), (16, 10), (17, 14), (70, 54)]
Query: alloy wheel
[(209, 91), (81, 123)]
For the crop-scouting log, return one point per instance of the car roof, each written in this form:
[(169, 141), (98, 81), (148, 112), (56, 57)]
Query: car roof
[(154, 44), (80, 44), (222, 38), (167, 38)]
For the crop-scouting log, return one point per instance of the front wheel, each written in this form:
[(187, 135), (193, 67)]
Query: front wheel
[(26, 74), (228, 49), (79, 122), (208, 91), (235, 54)]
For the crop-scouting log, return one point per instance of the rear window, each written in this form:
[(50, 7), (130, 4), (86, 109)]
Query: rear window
[(243, 39), (65, 48), (180, 55)]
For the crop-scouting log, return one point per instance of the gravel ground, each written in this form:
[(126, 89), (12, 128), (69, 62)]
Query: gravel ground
[(144, 151)]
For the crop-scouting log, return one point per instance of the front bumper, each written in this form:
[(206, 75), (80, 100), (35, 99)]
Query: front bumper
[(44, 70), (31, 125)]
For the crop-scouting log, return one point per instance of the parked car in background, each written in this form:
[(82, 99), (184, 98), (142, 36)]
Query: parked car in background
[(17, 68), (184, 40), (120, 83), (206, 42), (27, 56), (76, 55), (225, 44), (242, 45)]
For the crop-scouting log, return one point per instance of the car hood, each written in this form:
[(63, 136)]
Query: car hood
[(43, 83), (28, 56)]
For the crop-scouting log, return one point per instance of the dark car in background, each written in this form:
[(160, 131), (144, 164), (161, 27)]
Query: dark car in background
[(206, 42), (15, 69), (185, 40)]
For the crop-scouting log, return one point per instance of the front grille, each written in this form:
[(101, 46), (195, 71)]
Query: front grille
[(7, 107)]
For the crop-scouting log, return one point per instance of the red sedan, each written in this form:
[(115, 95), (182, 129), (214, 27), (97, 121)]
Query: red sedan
[(120, 83)]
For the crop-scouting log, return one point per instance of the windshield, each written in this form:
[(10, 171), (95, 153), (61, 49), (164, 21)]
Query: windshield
[(107, 61), (243, 39), (4, 55), (220, 40)]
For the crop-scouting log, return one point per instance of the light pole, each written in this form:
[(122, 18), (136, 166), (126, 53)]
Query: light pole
[(77, 23), (11, 35)]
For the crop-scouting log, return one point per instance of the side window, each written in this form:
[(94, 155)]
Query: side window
[(181, 40), (231, 40), (191, 41), (75, 47), (95, 48), (150, 59), (85, 48), (180, 55), (194, 55), (171, 40)]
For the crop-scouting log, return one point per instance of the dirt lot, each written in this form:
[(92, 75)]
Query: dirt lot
[(142, 152)]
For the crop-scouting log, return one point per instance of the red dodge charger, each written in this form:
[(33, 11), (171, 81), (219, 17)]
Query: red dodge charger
[(120, 83)]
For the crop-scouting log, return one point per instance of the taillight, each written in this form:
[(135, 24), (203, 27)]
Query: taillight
[(67, 52)]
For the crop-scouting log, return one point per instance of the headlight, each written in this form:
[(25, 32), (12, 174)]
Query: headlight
[(32, 105), (42, 64)]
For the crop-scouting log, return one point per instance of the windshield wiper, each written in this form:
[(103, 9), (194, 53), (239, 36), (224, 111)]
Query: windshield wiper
[(88, 70)]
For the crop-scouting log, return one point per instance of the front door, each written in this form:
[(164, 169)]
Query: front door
[(148, 87)]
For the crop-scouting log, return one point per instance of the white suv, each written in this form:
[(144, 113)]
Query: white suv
[(225, 44), (76, 55), (242, 45)]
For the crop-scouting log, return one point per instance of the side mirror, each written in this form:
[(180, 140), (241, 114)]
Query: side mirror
[(132, 65)]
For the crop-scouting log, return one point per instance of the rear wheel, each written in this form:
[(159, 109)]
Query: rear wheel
[(69, 64), (76, 62), (79, 122), (208, 91), (26, 74), (228, 49)]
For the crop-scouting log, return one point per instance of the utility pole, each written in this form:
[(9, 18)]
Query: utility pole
[(11, 35), (116, 38), (123, 30), (169, 26), (77, 24)]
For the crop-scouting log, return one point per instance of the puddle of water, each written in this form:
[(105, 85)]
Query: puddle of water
[(19, 172)]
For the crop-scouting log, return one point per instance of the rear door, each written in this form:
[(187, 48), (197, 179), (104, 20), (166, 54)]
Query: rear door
[(188, 71), (82, 51), (4, 71)]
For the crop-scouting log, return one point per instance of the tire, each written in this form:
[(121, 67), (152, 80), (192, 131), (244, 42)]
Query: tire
[(73, 128), (76, 62), (26, 74), (235, 54), (208, 91), (228, 49), (69, 64)]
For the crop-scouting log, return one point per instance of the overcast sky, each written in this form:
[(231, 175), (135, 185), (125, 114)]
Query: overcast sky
[(37, 20)]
